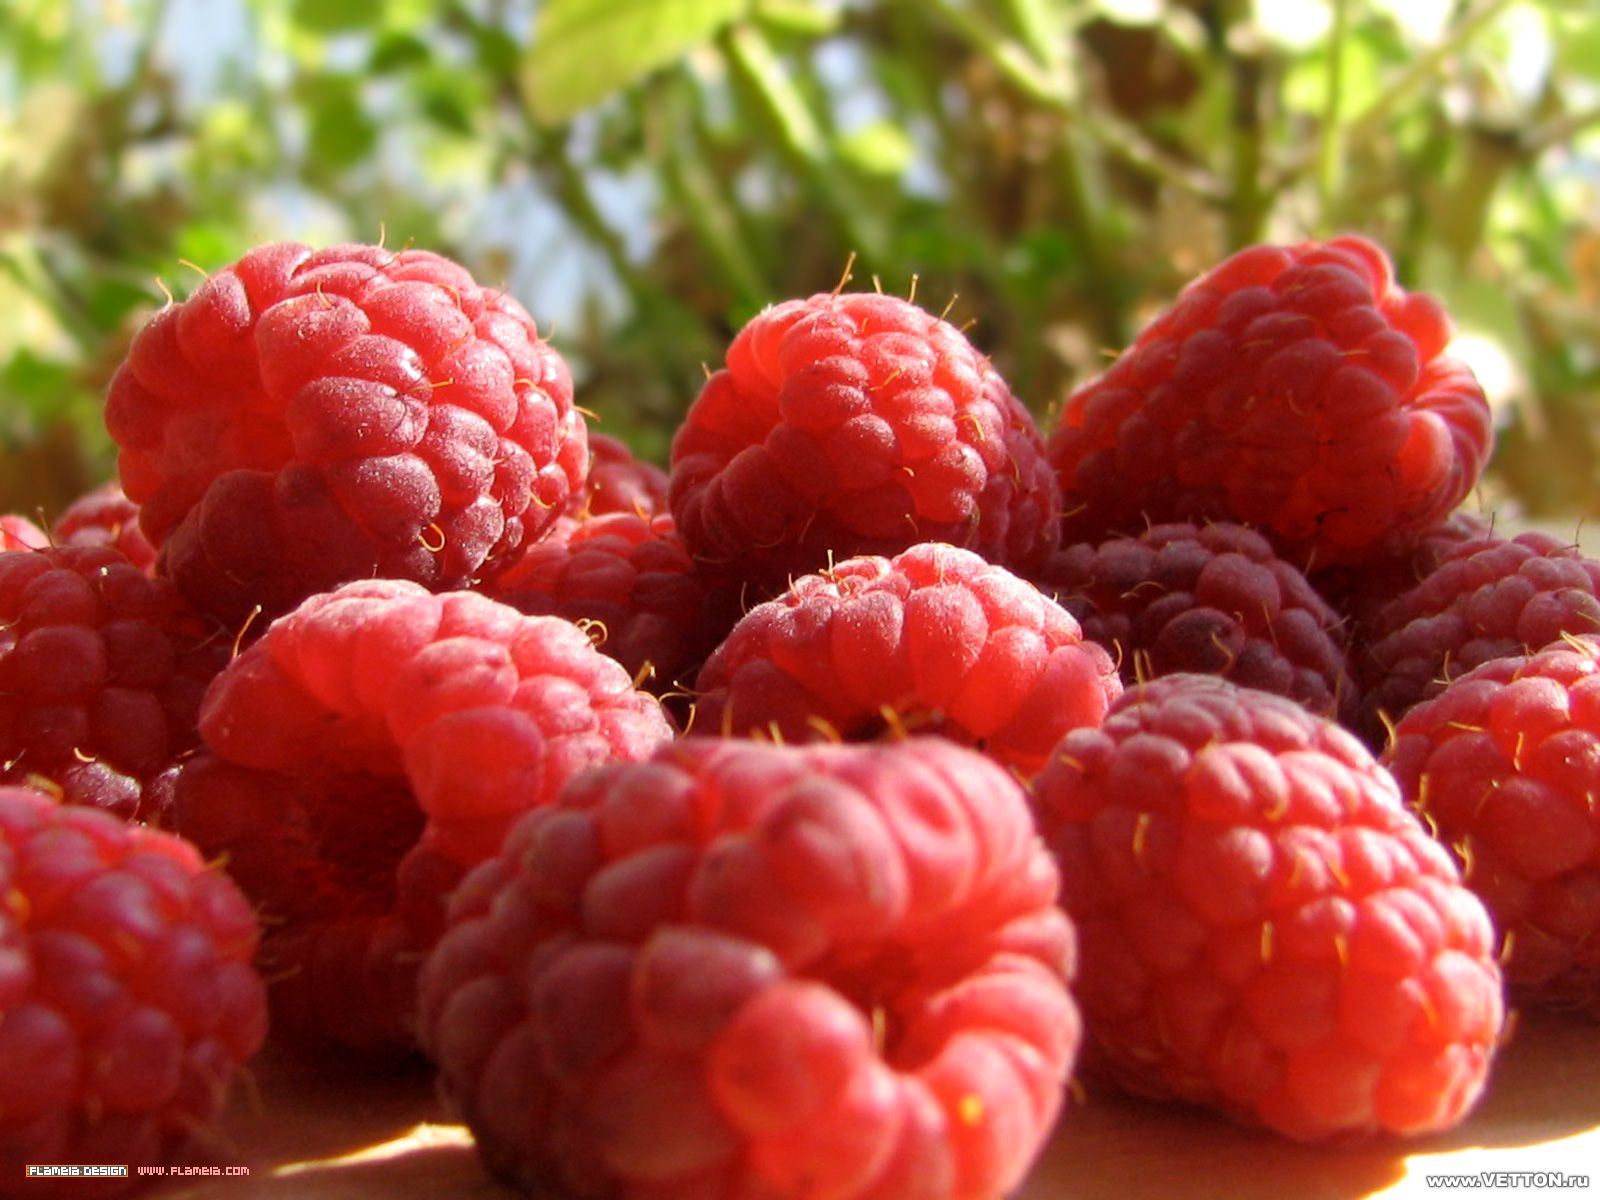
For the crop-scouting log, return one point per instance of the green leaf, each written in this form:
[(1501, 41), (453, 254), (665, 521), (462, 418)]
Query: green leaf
[(881, 148), (804, 18), (584, 50), (333, 16), (397, 51), (341, 131)]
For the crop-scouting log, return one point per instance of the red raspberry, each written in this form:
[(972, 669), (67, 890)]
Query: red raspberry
[(620, 483), (368, 749), (1294, 388), (308, 418), (101, 673), (935, 640), (1505, 763), (852, 425), (127, 999), (1212, 599), (19, 533), (628, 579), (1488, 597), (106, 517), (1265, 928), (748, 970)]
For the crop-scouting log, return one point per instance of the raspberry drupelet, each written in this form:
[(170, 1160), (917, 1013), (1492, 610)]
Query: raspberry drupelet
[(1212, 599), (935, 640), (312, 417), (127, 995), (363, 754), (106, 517), (620, 483), (101, 673), (849, 425), (19, 533), (1264, 928), (1505, 763), (749, 970), (1293, 388)]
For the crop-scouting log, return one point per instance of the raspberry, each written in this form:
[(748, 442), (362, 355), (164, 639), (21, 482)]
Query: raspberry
[(1489, 597), (1294, 388), (308, 418), (749, 970), (1212, 599), (620, 483), (19, 533), (627, 577), (101, 673), (935, 640), (365, 752), (1264, 928), (853, 425), (1505, 762), (106, 517), (127, 999)]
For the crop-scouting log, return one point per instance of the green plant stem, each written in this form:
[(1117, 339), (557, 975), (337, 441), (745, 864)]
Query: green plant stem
[(1426, 65), (1559, 130), (1330, 165), (1250, 199), (758, 69), (1052, 89), (568, 183)]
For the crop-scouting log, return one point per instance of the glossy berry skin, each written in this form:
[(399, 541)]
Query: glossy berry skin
[(619, 483), (628, 580), (1488, 597), (312, 417), (935, 640), (849, 425), (1505, 764), (1293, 388), (1265, 929), (361, 756), (1211, 599), (127, 996), (106, 517), (101, 673), (752, 970)]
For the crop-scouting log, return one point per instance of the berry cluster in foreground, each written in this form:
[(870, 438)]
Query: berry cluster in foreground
[(795, 820)]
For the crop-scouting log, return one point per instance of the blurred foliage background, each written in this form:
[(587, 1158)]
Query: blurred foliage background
[(647, 174)]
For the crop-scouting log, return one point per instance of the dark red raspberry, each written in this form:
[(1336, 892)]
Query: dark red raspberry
[(127, 999), (933, 641), (1362, 593), (1212, 599), (1265, 929), (1296, 389), (1505, 763), (106, 517), (1488, 597), (627, 578), (365, 752), (620, 483), (19, 533), (308, 418), (101, 673), (852, 425), (742, 970)]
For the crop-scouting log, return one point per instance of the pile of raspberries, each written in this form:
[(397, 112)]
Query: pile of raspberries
[(797, 820)]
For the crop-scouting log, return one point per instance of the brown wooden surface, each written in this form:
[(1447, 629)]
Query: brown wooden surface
[(317, 1130)]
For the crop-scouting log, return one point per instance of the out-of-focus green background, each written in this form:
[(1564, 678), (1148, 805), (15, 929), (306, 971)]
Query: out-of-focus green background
[(646, 174)]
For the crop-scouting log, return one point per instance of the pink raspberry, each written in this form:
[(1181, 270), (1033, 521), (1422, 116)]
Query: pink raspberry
[(372, 746), (933, 641), (1265, 929), (1296, 389), (1212, 599), (127, 999), (101, 673), (1487, 598), (106, 517), (620, 483), (748, 970), (627, 578), (308, 418), (849, 425), (1505, 763), (19, 533)]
